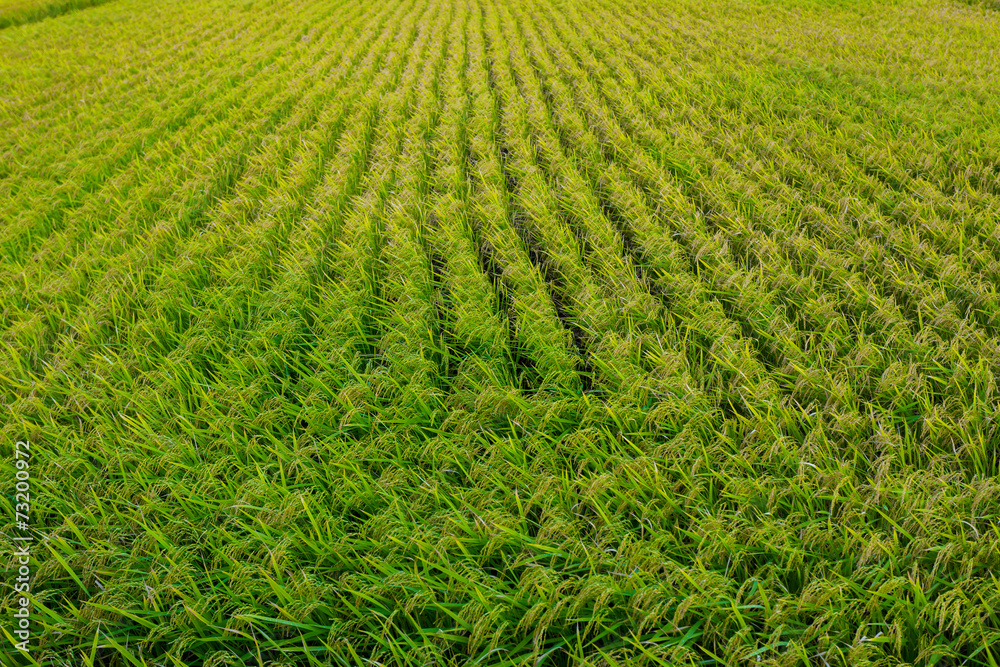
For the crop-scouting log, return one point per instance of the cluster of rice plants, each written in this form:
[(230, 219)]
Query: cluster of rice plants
[(17, 12), (461, 332)]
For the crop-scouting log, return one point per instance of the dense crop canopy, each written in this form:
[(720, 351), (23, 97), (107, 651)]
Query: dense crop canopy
[(539, 332)]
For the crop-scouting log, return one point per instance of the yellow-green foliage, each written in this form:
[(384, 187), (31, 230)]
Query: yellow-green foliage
[(535, 332), (17, 12)]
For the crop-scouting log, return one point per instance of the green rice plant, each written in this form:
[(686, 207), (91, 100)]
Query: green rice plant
[(36, 91), (168, 234), (411, 346), (738, 94), (564, 248), (862, 255), (463, 332), (477, 342), (737, 240), (18, 12), (64, 181), (537, 334)]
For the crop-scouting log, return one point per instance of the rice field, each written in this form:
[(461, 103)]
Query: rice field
[(525, 333)]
